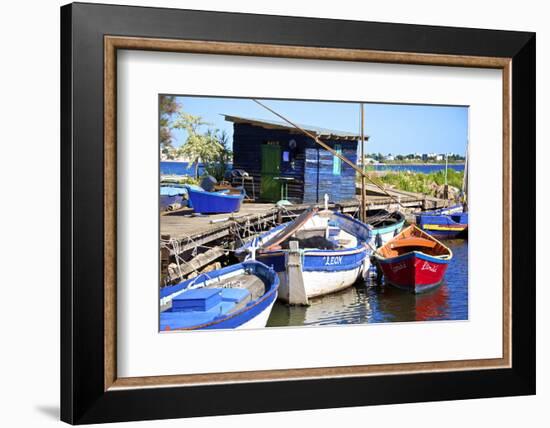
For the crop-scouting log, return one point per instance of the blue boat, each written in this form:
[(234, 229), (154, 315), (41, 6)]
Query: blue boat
[(237, 296), (444, 226), (204, 202), (454, 209)]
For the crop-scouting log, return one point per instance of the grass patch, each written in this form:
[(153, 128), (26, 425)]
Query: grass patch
[(186, 179), (420, 182)]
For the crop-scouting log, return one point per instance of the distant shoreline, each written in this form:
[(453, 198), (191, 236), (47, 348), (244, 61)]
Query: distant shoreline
[(414, 164), (368, 164)]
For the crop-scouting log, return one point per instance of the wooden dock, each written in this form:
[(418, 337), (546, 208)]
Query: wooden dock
[(191, 231), (196, 243), (377, 199)]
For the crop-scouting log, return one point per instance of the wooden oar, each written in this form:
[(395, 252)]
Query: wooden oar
[(288, 230)]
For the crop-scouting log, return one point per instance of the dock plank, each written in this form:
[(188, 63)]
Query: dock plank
[(191, 230)]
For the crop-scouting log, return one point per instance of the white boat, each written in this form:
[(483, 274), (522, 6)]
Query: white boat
[(333, 252)]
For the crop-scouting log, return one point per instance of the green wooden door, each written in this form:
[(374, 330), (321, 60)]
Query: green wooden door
[(270, 189)]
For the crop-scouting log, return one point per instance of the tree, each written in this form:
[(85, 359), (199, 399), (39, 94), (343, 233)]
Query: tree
[(199, 147), (168, 107)]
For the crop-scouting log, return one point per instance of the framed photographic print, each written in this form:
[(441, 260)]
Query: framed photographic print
[(277, 213)]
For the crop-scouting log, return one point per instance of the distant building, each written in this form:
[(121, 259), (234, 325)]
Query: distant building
[(275, 153), (439, 157), (369, 161)]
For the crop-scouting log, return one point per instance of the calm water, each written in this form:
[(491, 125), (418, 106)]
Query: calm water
[(366, 303), (188, 168), (179, 168)]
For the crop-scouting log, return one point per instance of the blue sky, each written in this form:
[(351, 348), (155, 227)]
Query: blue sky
[(392, 128)]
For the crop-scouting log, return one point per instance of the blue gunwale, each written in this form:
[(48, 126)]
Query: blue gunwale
[(204, 277), (272, 231), (452, 210), (311, 254), (219, 194)]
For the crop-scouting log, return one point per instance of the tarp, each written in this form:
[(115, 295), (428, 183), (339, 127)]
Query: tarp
[(172, 191)]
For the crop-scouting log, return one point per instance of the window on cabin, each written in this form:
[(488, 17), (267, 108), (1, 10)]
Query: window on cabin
[(286, 156), (336, 161)]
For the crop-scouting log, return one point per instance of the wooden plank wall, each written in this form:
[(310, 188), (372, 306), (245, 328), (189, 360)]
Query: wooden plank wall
[(319, 178), (247, 142)]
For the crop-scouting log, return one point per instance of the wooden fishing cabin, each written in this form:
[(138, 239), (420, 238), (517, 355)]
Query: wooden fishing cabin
[(287, 164)]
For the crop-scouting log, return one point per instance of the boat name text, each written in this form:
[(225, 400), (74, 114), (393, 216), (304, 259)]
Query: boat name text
[(332, 260)]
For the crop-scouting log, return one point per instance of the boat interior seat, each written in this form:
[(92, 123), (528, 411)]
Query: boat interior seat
[(234, 294), (343, 242), (413, 242), (311, 232), (173, 320)]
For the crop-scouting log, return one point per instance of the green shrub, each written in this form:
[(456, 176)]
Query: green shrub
[(185, 179), (418, 182)]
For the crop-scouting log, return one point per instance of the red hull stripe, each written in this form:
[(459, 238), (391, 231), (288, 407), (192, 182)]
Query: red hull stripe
[(416, 289)]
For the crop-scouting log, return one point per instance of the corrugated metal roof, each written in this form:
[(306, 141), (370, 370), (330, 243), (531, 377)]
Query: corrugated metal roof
[(271, 124)]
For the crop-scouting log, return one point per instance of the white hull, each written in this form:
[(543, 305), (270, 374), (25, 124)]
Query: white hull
[(260, 320), (321, 283), (316, 268)]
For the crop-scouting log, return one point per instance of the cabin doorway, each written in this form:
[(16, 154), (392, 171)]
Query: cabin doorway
[(271, 163)]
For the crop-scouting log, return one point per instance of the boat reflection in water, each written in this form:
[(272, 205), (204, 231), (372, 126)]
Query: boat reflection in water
[(395, 305), (365, 303)]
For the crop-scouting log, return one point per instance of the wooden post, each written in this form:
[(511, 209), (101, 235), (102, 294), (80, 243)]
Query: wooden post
[(164, 257), (363, 213), (296, 289)]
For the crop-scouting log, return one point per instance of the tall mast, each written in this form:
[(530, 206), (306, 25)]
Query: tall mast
[(363, 213), (446, 186), (465, 178), (330, 150), (446, 166)]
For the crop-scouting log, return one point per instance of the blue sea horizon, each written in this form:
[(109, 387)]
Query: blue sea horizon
[(179, 168), (188, 168)]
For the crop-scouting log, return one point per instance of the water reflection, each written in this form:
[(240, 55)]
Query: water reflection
[(371, 303)]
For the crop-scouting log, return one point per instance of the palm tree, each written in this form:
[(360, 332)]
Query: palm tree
[(218, 166)]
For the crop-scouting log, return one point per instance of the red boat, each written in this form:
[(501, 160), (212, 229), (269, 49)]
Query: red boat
[(414, 260)]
